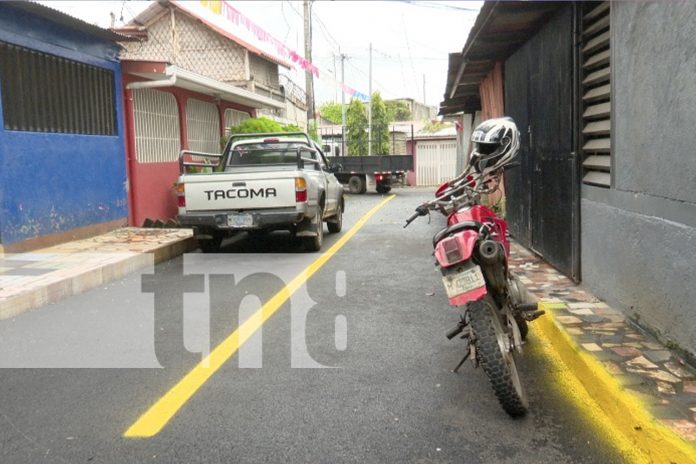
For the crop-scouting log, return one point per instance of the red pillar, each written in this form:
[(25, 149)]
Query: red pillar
[(130, 150)]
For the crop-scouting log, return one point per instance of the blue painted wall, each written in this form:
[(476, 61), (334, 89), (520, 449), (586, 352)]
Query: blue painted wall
[(56, 182)]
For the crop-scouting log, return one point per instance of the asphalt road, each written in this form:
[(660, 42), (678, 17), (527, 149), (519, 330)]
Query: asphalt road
[(353, 368)]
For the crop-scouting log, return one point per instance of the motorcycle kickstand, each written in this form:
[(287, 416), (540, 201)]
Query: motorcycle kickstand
[(466, 356)]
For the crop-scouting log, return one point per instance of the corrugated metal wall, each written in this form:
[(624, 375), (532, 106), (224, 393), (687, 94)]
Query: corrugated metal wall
[(157, 136)]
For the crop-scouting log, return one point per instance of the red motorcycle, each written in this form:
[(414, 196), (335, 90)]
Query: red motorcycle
[(472, 254)]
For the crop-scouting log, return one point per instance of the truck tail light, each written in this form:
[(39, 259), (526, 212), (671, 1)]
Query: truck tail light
[(180, 196), (300, 190)]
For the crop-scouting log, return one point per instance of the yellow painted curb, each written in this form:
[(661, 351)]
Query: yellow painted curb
[(643, 437)]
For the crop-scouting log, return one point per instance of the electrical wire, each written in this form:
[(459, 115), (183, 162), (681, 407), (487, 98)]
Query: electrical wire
[(431, 4), (379, 84), (408, 47), (325, 32)]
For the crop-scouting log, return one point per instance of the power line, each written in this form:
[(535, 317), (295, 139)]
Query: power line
[(408, 47), (325, 32), (431, 4), (287, 23), (379, 84)]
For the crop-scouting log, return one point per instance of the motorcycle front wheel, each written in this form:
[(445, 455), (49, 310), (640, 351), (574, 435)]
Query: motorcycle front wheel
[(496, 357)]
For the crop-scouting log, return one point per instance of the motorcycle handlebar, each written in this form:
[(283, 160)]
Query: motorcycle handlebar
[(412, 218), (422, 210)]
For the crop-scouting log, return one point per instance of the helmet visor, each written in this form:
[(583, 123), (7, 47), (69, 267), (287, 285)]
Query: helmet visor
[(486, 148)]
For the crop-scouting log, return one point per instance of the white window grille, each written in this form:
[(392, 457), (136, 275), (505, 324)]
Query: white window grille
[(234, 117), (203, 126), (157, 137)]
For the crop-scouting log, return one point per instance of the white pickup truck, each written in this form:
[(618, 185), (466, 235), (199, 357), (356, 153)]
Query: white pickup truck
[(260, 183)]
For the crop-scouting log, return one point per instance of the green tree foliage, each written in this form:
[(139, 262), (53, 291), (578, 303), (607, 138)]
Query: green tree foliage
[(264, 125), (398, 110), (331, 112), (380, 126), (260, 125), (434, 126), (356, 127)]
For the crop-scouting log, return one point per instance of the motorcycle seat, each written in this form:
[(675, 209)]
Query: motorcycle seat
[(454, 228)]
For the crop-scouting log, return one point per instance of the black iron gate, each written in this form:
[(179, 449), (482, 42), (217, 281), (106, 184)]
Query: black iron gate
[(542, 195)]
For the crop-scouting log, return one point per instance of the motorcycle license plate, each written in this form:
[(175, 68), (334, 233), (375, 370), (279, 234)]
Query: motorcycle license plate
[(240, 220), (462, 282)]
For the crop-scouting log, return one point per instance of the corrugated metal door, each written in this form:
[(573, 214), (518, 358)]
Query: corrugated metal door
[(544, 196), (203, 126), (436, 161), (156, 126)]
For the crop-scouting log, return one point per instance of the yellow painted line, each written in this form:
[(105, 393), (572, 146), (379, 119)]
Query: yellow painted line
[(160, 413), (619, 416)]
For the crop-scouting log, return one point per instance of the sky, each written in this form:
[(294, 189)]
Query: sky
[(410, 39)]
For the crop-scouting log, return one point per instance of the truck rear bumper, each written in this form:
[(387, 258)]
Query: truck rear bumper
[(262, 219)]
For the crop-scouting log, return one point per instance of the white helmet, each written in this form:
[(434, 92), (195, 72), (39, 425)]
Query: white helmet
[(496, 143)]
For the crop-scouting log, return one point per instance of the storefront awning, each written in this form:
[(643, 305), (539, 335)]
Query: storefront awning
[(160, 74), (499, 30)]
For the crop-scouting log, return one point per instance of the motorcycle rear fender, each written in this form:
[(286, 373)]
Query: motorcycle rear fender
[(456, 249), (464, 298), (472, 295)]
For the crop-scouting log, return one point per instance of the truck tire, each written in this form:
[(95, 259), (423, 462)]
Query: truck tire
[(356, 184), (312, 244), (210, 245), (381, 188), (498, 363), (336, 223)]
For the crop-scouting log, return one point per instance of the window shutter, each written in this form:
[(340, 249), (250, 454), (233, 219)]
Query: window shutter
[(596, 95)]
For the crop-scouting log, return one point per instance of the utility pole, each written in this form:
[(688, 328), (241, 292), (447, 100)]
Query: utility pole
[(369, 108), (343, 105), (335, 76), (309, 77)]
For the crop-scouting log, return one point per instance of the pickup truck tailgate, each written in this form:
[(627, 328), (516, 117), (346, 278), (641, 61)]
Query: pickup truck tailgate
[(219, 192)]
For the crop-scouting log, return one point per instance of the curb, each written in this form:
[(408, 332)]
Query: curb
[(627, 414), (99, 275)]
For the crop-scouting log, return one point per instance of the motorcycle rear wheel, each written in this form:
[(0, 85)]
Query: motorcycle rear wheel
[(495, 356)]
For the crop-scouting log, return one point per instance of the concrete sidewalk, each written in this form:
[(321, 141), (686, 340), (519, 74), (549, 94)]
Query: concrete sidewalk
[(31, 280), (647, 392)]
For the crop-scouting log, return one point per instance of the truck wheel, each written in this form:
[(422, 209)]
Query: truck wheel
[(210, 245), (314, 243), (336, 223), (356, 184), (381, 188)]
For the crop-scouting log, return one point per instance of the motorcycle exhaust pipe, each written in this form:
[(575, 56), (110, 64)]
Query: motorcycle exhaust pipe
[(490, 252)]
